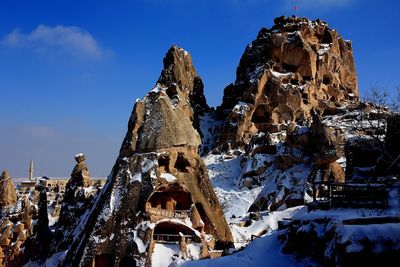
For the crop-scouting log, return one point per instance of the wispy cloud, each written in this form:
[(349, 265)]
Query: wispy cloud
[(38, 131), (66, 39)]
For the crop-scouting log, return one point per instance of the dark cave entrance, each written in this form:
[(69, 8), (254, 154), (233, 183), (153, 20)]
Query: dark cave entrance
[(181, 164)]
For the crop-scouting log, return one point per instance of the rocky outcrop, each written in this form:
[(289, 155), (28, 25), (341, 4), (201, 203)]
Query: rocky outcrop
[(39, 243), (389, 164), (309, 155), (159, 187), (362, 154), (294, 67), (180, 77), (77, 200), (183, 91), (362, 241), (8, 195), (80, 174)]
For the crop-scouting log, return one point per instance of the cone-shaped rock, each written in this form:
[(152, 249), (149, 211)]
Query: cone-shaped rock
[(159, 188), (78, 198), (294, 67)]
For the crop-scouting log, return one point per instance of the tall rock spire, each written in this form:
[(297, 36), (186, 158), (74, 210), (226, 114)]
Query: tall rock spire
[(159, 186), (8, 194)]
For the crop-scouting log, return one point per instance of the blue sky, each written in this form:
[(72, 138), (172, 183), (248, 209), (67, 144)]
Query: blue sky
[(71, 70)]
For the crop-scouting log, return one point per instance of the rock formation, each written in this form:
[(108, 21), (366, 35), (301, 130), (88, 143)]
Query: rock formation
[(8, 195), (390, 162), (39, 243), (159, 187), (294, 67), (80, 174), (308, 155), (77, 200)]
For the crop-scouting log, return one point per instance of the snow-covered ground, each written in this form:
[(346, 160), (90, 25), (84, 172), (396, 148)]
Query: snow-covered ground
[(264, 251), (164, 254), (223, 174)]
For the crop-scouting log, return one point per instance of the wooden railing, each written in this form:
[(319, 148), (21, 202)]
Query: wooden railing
[(171, 238), (353, 195), (173, 214)]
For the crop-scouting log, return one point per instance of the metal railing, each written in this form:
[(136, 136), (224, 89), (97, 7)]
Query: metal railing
[(353, 195)]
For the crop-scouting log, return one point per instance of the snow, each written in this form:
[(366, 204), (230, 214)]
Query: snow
[(148, 164), (136, 177), (241, 108), (378, 234), (169, 177), (207, 126), (54, 260), (223, 174), (253, 76), (324, 48), (79, 155), (268, 222), (163, 254), (279, 74), (156, 89), (52, 220), (194, 250), (264, 251)]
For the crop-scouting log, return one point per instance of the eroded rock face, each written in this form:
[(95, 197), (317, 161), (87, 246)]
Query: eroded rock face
[(294, 67), (159, 186), (8, 195), (80, 174), (180, 76), (38, 244), (390, 162), (77, 200), (178, 93)]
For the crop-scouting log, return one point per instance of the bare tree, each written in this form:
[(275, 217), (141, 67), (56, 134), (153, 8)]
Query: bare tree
[(376, 107)]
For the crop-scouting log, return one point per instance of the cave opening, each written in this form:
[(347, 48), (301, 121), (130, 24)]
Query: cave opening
[(181, 163), (261, 115), (289, 67), (163, 163), (170, 200), (326, 80), (104, 260)]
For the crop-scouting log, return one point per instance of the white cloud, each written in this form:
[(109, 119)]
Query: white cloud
[(71, 40), (38, 131)]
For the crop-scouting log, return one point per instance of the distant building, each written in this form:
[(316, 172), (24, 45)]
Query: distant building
[(27, 186), (56, 185)]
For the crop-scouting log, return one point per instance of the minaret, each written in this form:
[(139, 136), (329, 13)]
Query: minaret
[(31, 171)]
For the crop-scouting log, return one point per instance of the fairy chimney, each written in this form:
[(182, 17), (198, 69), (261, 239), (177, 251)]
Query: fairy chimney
[(8, 194), (157, 180)]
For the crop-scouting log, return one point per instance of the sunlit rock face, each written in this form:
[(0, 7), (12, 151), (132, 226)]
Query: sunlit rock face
[(294, 67), (159, 187), (8, 195)]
